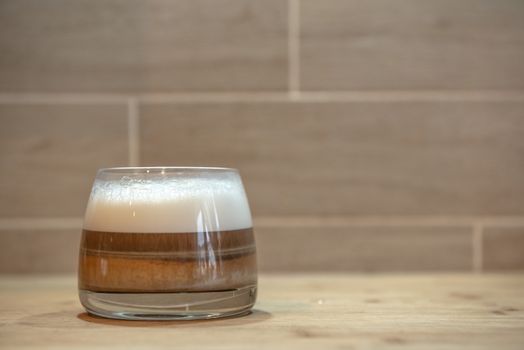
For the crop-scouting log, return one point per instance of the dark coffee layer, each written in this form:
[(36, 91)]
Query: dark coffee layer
[(226, 244), (167, 262)]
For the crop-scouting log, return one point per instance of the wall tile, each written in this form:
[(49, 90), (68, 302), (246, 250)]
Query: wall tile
[(364, 249), (142, 46), (368, 249), (49, 155), (503, 248), (401, 158), (414, 44), (39, 251)]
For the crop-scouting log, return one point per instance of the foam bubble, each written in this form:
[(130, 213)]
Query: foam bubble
[(168, 204)]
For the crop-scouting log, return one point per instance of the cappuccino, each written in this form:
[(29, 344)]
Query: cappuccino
[(181, 240)]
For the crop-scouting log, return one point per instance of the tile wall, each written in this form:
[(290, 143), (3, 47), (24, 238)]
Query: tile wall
[(372, 135)]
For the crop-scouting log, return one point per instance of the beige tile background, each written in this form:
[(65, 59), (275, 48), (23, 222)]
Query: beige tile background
[(50, 153), (371, 135), (39, 251), (365, 249), (504, 247), (412, 44), (352, 158), (142, 46)]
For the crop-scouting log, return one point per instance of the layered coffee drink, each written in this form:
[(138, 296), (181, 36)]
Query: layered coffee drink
[(167, 243)]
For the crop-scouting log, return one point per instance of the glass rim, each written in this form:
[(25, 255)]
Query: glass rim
[(162, 169)]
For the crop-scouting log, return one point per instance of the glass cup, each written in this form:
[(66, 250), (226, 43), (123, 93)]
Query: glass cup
[(167, 243)]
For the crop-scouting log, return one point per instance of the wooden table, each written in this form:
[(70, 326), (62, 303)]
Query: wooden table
[(439, 311)]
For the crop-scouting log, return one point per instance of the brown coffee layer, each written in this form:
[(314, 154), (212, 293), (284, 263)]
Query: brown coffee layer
[(166, 262)]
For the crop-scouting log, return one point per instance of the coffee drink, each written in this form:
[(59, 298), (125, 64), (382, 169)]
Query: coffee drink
[(167, 262), (167, 243)]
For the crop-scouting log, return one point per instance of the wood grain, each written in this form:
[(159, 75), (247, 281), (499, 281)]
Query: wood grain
[(293, 311), (414, 44)]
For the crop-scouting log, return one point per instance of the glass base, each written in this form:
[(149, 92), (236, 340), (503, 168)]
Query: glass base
[(169, 306)]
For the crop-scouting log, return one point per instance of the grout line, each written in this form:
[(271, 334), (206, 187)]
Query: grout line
[(342, 221), (59, 98), (224, 97), (478, 223), (133, 132), (414, 96), (294, 49), (40, 223), (300, 97), (340, 96), (477, 248)]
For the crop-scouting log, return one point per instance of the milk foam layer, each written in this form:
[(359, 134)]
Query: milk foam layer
[(171, 204)]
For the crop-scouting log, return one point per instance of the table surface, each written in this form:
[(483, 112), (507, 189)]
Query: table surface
[(436, 311)]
